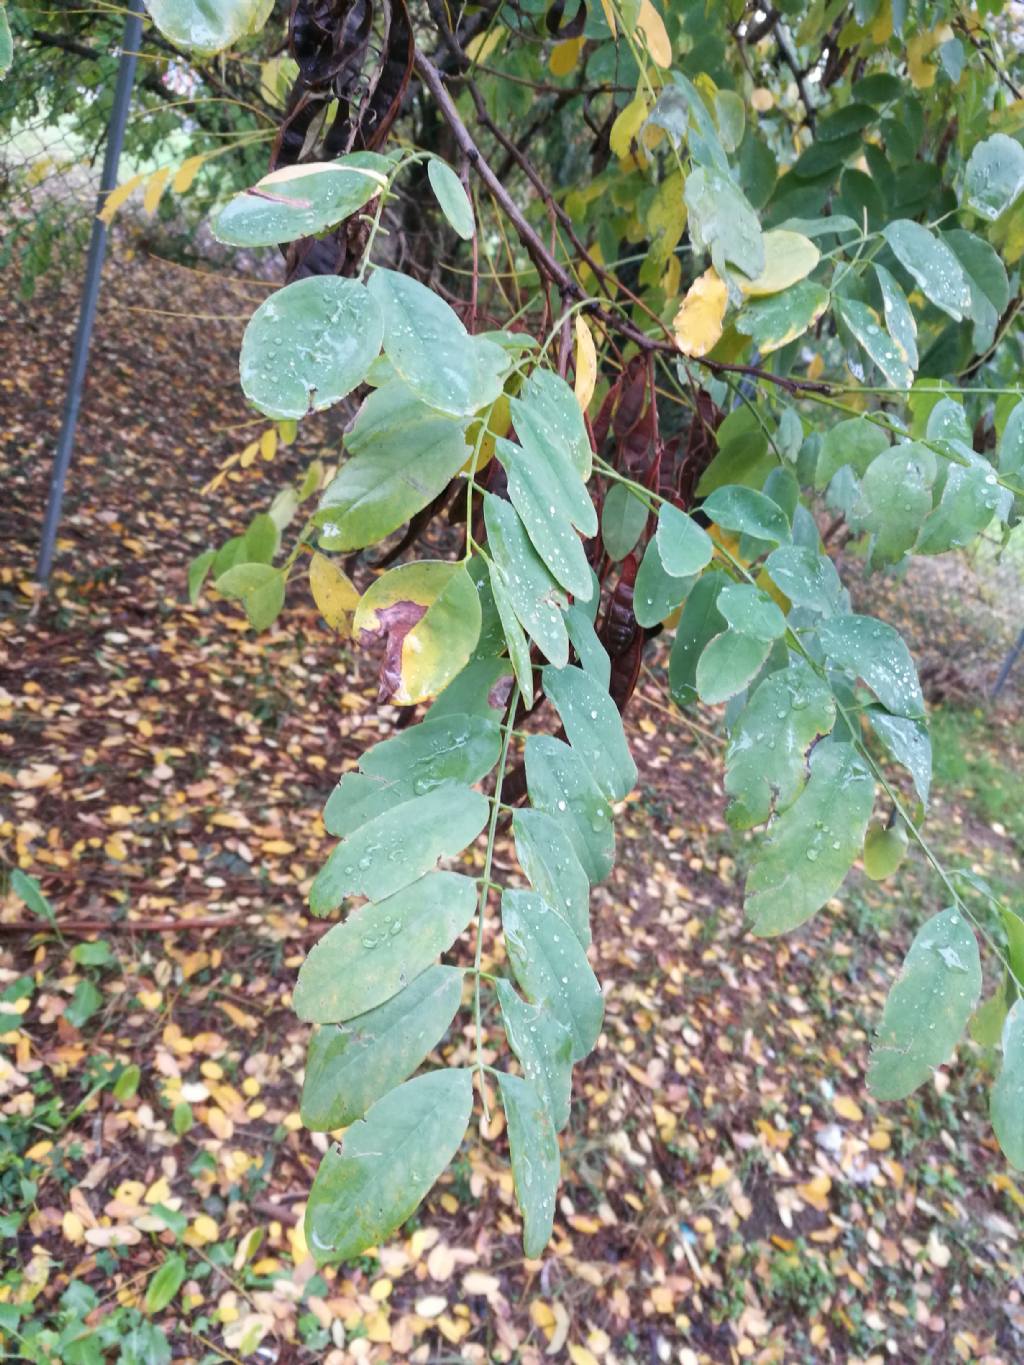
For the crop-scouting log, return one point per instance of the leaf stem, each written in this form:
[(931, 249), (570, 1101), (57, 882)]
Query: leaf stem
[(485, 891)]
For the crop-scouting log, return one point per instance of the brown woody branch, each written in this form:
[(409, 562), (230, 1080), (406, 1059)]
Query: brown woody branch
[(553, 270)]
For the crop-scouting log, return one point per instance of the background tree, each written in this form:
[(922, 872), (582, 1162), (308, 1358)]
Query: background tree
[(778, 253)]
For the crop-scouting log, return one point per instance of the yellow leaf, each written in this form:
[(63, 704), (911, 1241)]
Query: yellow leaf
[(268, 443), (72, 1228), (788, 257), (429, 612), (334, 593), (117, 196), (698, 324), (565, 55), (249, 454), (202, 1230), (626, 127), (484, 45), (38, 1150), (115, 848), (651, 25), (586, 363), (186, 173), (666, 217), (847, 1108), (155, 188), (919, 48), (579, 1355)]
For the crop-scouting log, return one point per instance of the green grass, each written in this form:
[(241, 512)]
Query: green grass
[(976, 761)]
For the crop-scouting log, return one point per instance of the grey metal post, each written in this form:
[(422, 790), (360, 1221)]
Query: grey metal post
[(90, 290), (1008, 663)]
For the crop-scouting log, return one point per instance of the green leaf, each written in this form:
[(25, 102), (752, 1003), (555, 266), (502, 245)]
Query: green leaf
[(6, 43), (430, 348), (591, 652), (536, 1161), (127, 1084), (971, 497), (700, 622), (197, 571), (777, 319), (379, 948), (395, 848), (308, 345), (553, 455), (554, 416), (560, 784), (452, 197), (752, 612), (536, 494), (811, 847), (884, 849), (908, 743), (1008, 1091), (164, 1285), (684, 547), (721, 221), (927, 258), (656, 592), (928, 1007), (428, 612), (262, 539), (547, 856), (552, 968), (623, 518), (300, 201), (543, 1045), (899, 318), (259, 587), (876, 343), (1011, 444), (370, 1184), (808, 579), (83, 1004), (535, 597), (873, 651), (97, 953), (766, 761), (750, 512), (594, 727), (351, 1065), (729, 662), (30, 893), (987, 281), (480, 689), (446, 749), (856, 441), (515, 637), (994, 176), (206, 26), (403, 455), (441, 750), (895, 498)]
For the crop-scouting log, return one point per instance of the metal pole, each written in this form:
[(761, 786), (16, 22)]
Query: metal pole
[(1008, 663), (90, 290)]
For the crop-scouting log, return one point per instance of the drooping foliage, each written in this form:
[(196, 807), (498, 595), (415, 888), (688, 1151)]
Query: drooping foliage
[(630, 301)]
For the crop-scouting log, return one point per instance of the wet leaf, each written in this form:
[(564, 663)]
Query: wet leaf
[(928, 1006), (811, 847), (373, 1181), (381, 947), (351, 1065)]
